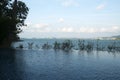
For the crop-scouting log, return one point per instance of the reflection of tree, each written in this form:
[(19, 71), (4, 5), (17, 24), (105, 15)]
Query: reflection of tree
[(12, 17), (8, 69), (12, 64)]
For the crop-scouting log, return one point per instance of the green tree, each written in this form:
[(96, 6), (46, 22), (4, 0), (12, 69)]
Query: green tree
[(12, 17)]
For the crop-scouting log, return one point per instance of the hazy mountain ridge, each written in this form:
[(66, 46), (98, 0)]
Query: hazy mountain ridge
[(118, 36)]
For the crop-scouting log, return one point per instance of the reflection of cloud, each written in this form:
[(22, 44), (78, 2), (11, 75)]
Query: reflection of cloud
[(100, 7), (68, 3)]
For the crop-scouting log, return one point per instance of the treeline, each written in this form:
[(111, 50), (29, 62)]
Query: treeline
[(68, 45), (12, 17)]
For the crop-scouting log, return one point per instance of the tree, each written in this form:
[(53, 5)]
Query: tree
[(12, 17)]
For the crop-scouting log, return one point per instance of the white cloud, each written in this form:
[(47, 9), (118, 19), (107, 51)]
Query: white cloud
[(47, 30), (40, 27), (103, 30), (43, 27), (68, 3), (112, 29), (115, 27), (67, 29), (99, 30), (87, 30), (61, 20), (100, 7)]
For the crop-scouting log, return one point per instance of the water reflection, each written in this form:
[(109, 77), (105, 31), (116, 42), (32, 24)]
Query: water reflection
[(8, 68), (58, 65)]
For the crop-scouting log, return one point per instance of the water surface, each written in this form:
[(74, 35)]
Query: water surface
[(59, 65)]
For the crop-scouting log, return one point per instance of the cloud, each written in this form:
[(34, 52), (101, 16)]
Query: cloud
[(112, 29), (39, 27), (66, 29), (44, 27), (61, 20), (100, 7), (68, 3), (87, 30), (115, 29), (50, 30)]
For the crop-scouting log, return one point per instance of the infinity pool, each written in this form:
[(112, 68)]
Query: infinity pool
[(59, 65)]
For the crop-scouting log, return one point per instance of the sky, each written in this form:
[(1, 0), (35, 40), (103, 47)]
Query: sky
[(72, 19)]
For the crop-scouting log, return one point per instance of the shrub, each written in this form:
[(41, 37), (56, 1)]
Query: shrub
[(81, 45), (30, 45), (46, 46), (89, 46), (57, 45), (67, 45)]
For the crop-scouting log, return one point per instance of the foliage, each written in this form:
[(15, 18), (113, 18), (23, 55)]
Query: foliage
[(81, 44), (20, 46), (57, 45), (30, 45), (89, 46), (12, 17), (67, 45), (46, 46)]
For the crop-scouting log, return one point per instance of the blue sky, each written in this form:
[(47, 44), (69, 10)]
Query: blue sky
[(72, 18)]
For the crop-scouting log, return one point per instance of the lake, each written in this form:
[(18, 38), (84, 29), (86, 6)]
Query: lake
[(39, 64)]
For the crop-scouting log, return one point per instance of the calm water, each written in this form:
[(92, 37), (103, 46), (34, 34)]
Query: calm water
[(59, 65)]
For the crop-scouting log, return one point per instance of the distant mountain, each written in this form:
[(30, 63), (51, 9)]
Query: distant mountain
[(110, 38), (118, 36)]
